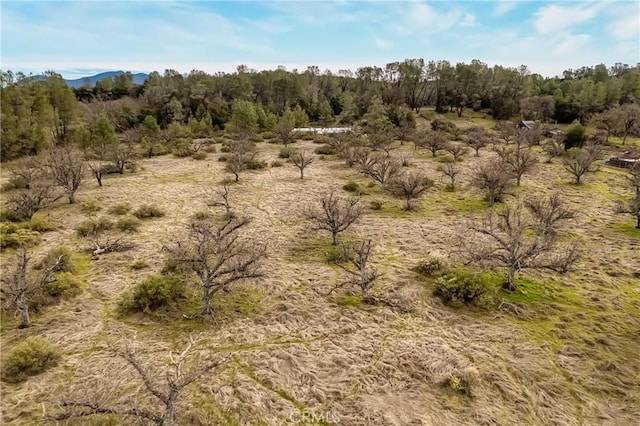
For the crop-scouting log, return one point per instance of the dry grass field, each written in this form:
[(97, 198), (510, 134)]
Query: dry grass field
[(568, 356)]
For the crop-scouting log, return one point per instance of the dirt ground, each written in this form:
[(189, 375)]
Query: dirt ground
[(298, 356)]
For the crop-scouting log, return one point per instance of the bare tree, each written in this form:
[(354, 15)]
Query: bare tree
[(410, 186), (222, 200), (382, 168), (554, 148), (633, 207), (177, 377), (335, 214), (355, 262), (363, 157), (22, 284), (530, 137), (478, 138), (434, 141), (67, 169), (301, 159), (242, 151), (122, 154), (218, 254), (507, 130), (523, 237), (381, 140), (579, 161), (235, 166), (27, 171), (451, 171), (521, 160), (457, 150), (494, 177), (284, 130), (27, 202)]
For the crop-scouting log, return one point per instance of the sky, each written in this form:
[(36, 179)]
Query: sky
[(85, 37)]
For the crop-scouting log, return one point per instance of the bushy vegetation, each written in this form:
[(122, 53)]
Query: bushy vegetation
[(434, 264), (32, 356), (465, 287), (155, 292), (147, 211), (119, 209)]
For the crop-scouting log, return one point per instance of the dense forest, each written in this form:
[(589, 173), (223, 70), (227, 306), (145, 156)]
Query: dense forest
[(40, 111)]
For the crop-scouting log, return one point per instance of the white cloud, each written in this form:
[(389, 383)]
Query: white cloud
[(422, 18), (383, 43), (469, 20), (551, 19), (504, 7), (625, 24)]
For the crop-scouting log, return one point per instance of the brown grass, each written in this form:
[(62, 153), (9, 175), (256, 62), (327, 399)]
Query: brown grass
[(573, 361)]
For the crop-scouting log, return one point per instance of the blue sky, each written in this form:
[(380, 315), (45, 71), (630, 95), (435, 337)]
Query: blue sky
[(81, 38)]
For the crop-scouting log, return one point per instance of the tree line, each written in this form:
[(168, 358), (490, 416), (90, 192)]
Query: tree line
[(37, 112)]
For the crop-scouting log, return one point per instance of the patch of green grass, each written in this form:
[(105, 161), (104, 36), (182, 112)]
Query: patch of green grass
[(467, 205), (629, 229), (349, 300), (237, 303)]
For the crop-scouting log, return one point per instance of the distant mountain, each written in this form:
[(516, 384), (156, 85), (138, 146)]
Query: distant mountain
[(138, 78)]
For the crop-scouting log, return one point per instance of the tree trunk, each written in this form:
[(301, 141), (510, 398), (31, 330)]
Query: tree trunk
[(25, 321), (408, 204), (72, 196), (365, 294), (578, 179), (511, 279), (206, 301), (492, 199), (98, 177), (237, 177), (335, 238), (518, 178), (638, 225), (170, 412), (301, 173)]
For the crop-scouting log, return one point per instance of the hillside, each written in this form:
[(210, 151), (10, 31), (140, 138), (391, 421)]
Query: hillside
[(561, 351)]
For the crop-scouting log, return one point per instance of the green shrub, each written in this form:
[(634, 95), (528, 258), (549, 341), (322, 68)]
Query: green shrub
[(435, 263), (325, 150), (376, 205), (138, 265), (351, 187), (13, 236), (277, 163), (155, 292), (354, 188), (200, 155), (268, 135), (128, 224), (94, 226), (461, 286), (286, 152), (173, 267), (90, 206), (146, 211), (15, 182), (575, 136), (256, 165), (39, 224), (464, 381), (119, 209), (308, 136), (66, 285), (32, 356), (256, 138), (65, 256), (202, 215)]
